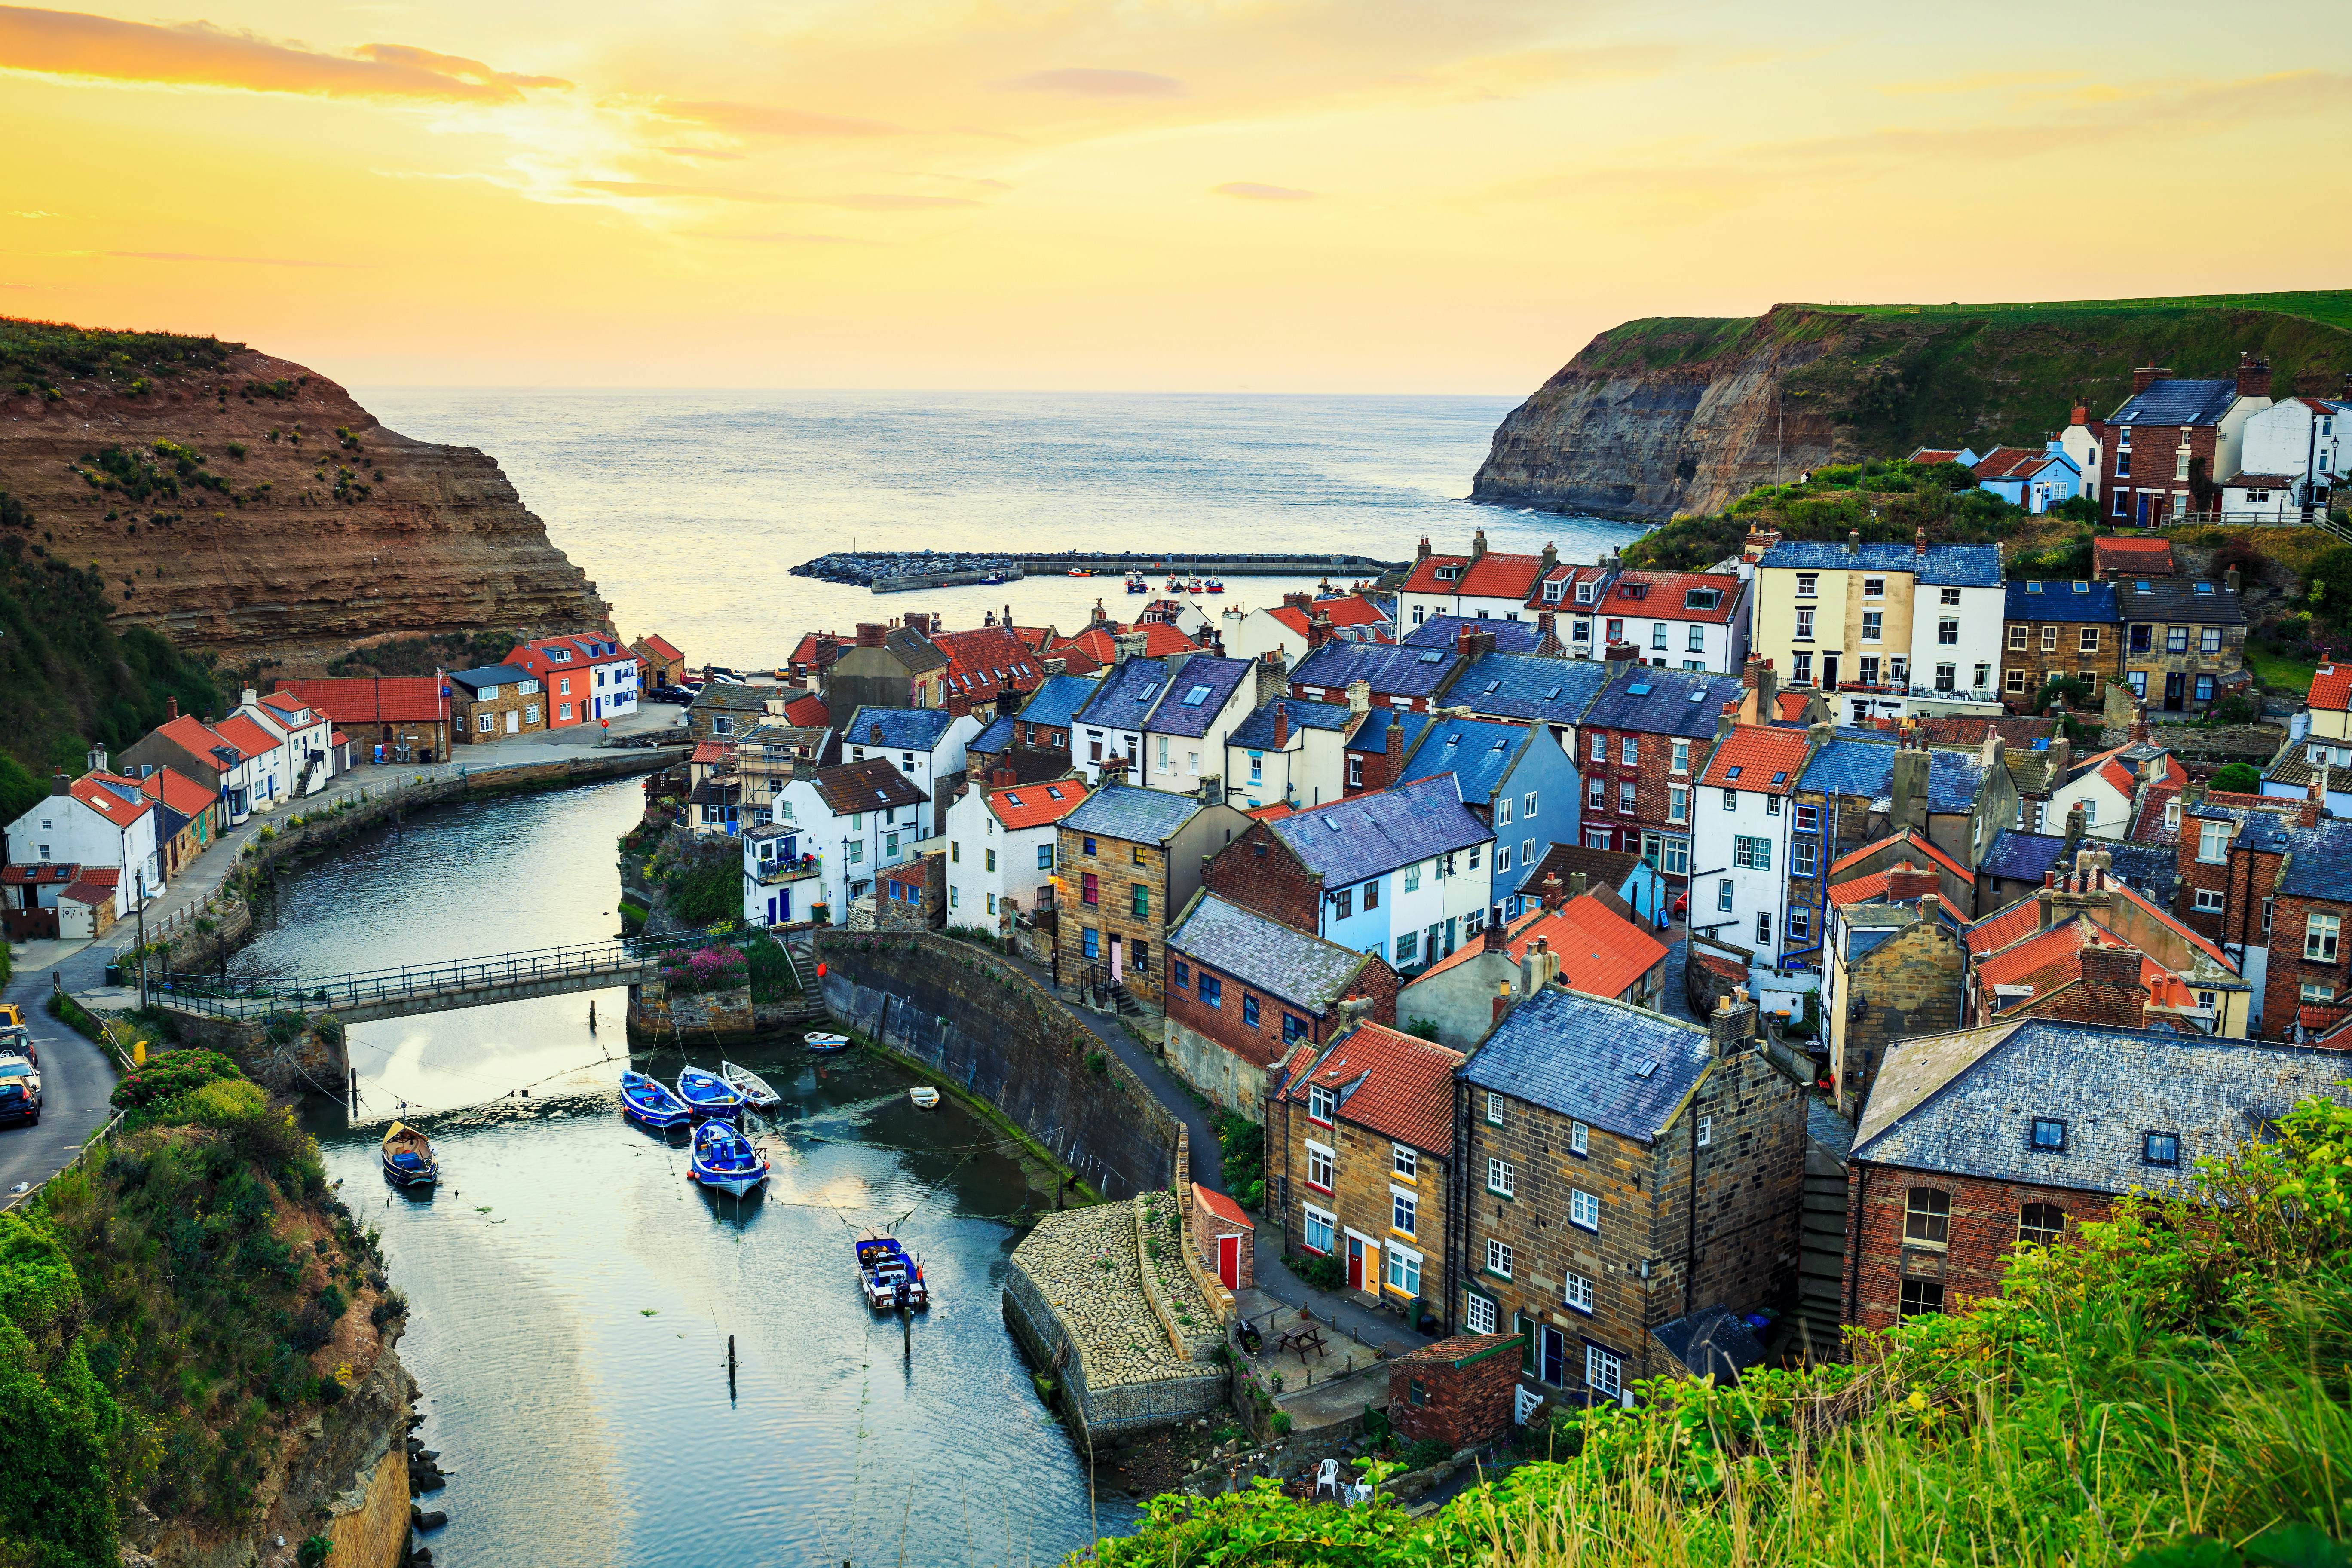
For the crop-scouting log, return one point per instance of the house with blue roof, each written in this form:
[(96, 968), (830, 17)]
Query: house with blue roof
[(1888, 630), (1377, 745), (1525, 689), (2056, 627), (1624, 1168), (1290, 751), (1406, 872), (1511, 637), (1394, 676), (1517, 778), (1042, 722), (1162, 723), (927, 744), (2171, 435)]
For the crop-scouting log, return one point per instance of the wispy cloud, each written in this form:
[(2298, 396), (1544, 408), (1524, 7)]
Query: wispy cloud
[(879, 202), (1251, 191), (768, 120), (717, 154), (658, 190), (197, 54), (37, 213), (1976, 81), (1081, 83)]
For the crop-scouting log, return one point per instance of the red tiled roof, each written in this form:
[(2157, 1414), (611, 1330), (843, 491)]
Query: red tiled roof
[(2008, 463), (1217, 1204), (246, 735), (661, 647), (339, 739), (1791, 704), (1494, 575), (1275, 813), (1160, 639), (2045, 961), (1034, 805), (366, 699), (709, 752), (1759, 752), (1928, 456), (1600, 953), (178, 791), (90, 892), (34, 875), (808, 713), (287, 703), (1368, 626), (1907, 837), (194, 737), (1350, 610), (1407, 1092), (2138, 557), (2332, 687), (985, 660), (91, 791), (1667, 592), (1998, 930), (1863, 889)]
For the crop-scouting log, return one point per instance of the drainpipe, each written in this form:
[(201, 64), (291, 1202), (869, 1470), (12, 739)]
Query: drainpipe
[(1690, 1239), (1853, 1249)]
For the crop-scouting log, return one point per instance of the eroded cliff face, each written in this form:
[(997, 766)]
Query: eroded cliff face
[(1665, 428), (327, 532)]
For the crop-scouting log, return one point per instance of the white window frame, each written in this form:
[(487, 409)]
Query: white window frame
[(1584, 1210), (1576, 1294), (1328, 1159), (1502, 1178), (1498, 1258)]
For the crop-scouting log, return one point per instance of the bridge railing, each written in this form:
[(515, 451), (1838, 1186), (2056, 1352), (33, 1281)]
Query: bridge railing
[(614, 957)]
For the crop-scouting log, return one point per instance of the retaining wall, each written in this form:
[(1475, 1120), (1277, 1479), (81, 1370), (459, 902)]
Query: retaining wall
[(981, 1023)]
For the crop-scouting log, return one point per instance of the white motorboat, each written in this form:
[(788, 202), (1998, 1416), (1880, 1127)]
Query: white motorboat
[(924, 1096)]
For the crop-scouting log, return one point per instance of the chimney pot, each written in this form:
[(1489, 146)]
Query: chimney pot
[(1854, 541), (1576, 885)]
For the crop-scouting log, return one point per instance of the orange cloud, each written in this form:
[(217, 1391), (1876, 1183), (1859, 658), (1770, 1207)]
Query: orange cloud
[(1084, 83), (196, 54)]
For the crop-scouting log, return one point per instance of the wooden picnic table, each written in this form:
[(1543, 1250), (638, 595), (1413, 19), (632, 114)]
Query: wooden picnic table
[(1302, 1340)]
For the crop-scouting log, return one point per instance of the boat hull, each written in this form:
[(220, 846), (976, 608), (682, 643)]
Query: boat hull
[(734, 1183), (400, 1177)]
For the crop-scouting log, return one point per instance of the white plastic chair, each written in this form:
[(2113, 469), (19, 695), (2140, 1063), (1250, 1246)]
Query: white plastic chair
[(1326, 1474)]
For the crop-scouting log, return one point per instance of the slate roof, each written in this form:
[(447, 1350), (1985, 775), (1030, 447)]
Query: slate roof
[(1523, 686), (1766, 760), (913, 650), (1479, 755), (2179, 599), (2151, 870), (1139, 815), (2061, 600), (1866, 768), (1256, 732), (1663, 702), (1601, 868), (1125, 695), (1623, 1068), (1210, 678), (995, 737), (1351, 840), (2319, 864), (730, 696), (1716, 1342), (1266, 955), (1397, 1085), (489, 675), (1944, 565), (871, 785), (1384, 727), (1056, 701), (2175, 401), (1445, 631), (1964, 1103), (1389, 668), (903, 728), (2021, 857)]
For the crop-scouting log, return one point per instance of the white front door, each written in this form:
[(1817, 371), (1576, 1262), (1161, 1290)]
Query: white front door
[(514, 722)]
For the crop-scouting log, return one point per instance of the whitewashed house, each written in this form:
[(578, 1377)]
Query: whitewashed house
[(1289, 749), (305, 735), (856, 820), (1001, 843), (99, 819), (1740, 819), (927, 744), (2292, 455)]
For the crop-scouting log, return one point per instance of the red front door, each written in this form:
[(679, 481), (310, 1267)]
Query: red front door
[(1355, 1264), (1229, 1262)]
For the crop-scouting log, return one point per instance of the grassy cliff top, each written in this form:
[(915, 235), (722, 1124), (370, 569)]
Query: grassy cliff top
[(35, 354), (2329, 307)]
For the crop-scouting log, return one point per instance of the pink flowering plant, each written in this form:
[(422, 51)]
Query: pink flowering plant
[(713, 968)]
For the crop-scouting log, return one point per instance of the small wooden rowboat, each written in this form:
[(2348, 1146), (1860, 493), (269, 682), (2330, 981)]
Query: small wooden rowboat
[(750, 1086), (724, 1159), (649, 1100), (924, 1096), (408, 1156), (822, 1043), (707, 1094)]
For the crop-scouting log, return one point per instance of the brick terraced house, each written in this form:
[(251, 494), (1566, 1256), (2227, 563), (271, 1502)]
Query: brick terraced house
[(1392, 677), (1643, 736), (1130, 858), (2166, 447), (1619, 1170), (1361, 1139), (493, 702), (1976, 1140), (2054, 629)]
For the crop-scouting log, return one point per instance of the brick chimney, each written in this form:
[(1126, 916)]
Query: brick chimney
[(828, 648), (2117, 966), (1547, 630), (1478, 544), (1281, 725), (919, 622), (1759, 542), (1909, 785), (869, 634), (1298, 601), (1538, 966), (1502, 1000), (1919, 540), (1733, 1023), (1727, 722), (61, 784), (2139, 723), (1551, 558), (1907, 882), (1129, 644), (873, 734), (2254, 376), (1577, 883), (1621, 653), (2230, 578), (1423, 553), (1270, 674), (2081, 413), (1551, 893), (171, 708), (1491, 939), (1318, 631), (2146, 375)]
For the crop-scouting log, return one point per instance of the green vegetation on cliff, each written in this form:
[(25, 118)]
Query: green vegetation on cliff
[(2171, 1389), (168, 1311)]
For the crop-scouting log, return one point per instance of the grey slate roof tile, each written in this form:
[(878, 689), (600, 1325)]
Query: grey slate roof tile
[(1139, 815), (2153, 868), (1058, 700), (1351, 840), (1866, 768), (1127, 696), (2023, 856), (1257, 731), (1945, 565), (1663, 702), (2319, 865), (2185, 599), (1197, 692), (1393, 671), (1479, 755), (2178, 402), (903, 728), (1620, 1068), (1275, 958), (1385, 727), (490, 675), (1445, 631), (995, 737), (2062, 600), (1963, 1104), (1525, 686)]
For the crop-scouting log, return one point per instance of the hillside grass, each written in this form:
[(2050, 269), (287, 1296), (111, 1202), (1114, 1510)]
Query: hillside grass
[(36, 354), (2331, 307), (2168, 1389)]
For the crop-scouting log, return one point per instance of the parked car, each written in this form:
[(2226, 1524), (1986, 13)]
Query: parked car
[(679, 695), (20, 1099), (17, 1040), (16, 1067)]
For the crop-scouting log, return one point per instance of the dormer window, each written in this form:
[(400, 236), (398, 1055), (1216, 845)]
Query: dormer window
[(559, 656), (1551, 593), (1584, 593), (1447, 573)]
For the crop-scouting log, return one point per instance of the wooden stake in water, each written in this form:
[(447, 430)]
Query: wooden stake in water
[(592, 1014), (730, 1366)]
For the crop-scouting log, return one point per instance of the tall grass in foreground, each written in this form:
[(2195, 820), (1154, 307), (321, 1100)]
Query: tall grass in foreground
[(2169, 1387)]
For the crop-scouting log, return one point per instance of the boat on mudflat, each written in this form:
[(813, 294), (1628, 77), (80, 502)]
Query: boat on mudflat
[(725, 1160), (925, 1097), (750, 1086), (885, 1269), (821, 1042), (408, 1156), (707, 1094), (649, 1100)]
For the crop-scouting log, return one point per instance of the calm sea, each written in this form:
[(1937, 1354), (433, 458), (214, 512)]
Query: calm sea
[(688, 509)]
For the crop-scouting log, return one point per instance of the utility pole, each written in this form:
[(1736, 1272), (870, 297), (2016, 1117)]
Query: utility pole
[(139, 880)]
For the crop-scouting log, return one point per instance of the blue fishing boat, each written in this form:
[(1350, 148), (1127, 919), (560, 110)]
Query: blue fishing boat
[(649, 1100), (885, 1269), (725, 1160), (707, 1094)]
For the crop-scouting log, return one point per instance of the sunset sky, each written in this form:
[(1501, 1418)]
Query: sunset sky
[(1255, 194)]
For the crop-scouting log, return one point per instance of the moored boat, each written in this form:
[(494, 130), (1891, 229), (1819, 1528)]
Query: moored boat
[(725, 1160), (707, 1094), (822, 1043), (1215, 586), (924, 1096), (408, 1156), (750, 1085), (885, 1269), (1195, 586), (1080, 572), (649, 1100)]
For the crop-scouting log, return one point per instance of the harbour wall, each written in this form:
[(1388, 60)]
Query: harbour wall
[(980, 1024), (892, 573)]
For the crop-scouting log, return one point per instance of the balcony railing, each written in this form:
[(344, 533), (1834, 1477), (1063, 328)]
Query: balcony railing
[(771, 873)]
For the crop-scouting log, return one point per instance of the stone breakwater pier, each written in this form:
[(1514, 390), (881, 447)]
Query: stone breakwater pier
[(896, 572)]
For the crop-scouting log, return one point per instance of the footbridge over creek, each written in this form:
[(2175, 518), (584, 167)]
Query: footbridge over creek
[(391, 993)]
